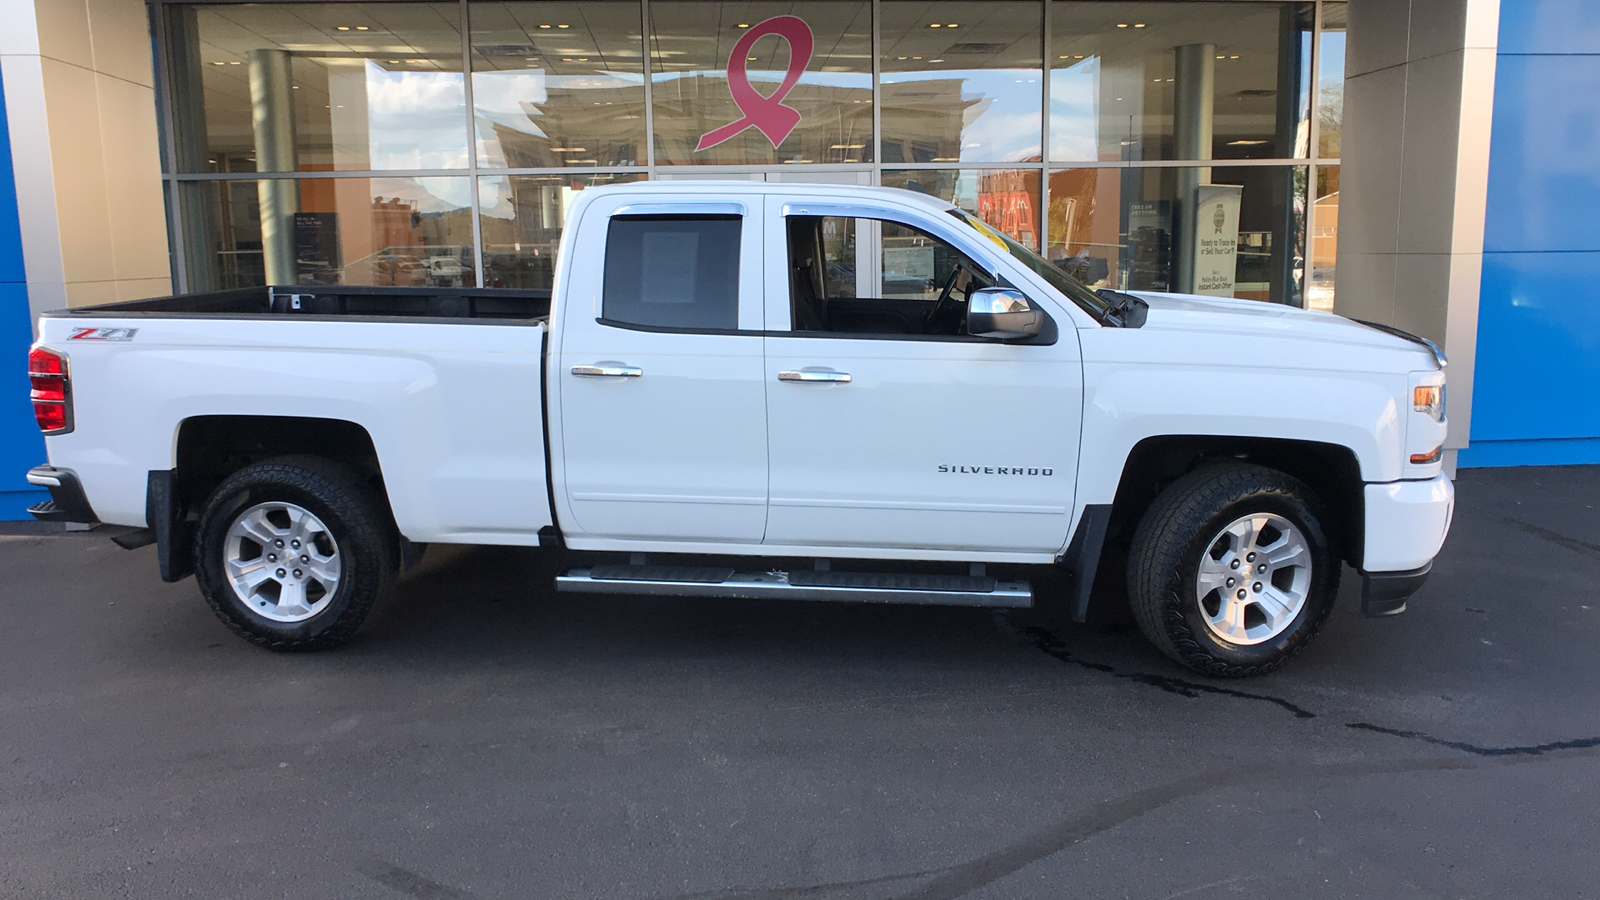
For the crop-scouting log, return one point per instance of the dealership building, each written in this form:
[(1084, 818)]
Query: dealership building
[(1428, 164)]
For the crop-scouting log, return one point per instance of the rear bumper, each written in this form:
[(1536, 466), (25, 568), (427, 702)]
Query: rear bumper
[(1406, 524), (67, 503)]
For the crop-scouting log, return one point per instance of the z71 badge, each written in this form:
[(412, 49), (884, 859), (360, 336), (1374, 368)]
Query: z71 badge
[(103, 334)]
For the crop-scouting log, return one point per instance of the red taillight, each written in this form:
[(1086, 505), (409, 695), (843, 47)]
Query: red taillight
[(47, 370), (46, 362), (52, 417), (49, 388)]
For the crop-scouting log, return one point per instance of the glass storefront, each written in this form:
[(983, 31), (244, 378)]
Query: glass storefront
[(441, 143)]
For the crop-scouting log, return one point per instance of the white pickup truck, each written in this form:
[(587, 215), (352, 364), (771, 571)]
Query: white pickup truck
[(762, 391)]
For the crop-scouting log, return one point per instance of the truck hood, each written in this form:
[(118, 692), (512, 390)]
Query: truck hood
[(1266, 321)]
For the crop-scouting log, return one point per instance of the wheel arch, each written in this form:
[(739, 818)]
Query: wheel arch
[(209, 448), (1331, 471), (212, 447)]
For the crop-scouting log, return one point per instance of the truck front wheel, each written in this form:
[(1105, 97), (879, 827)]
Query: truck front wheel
[(292, 553), (1231, 572)]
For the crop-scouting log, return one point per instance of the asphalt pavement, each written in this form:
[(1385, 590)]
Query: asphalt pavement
[(484, 738)]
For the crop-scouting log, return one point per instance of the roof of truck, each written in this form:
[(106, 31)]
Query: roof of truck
[(745, 188)]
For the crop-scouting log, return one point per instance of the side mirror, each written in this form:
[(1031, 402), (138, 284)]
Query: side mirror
[(1002, 313)]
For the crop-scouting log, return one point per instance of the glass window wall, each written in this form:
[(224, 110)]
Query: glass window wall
[(1330, 80), (761, 83), (1240, 234), (1320, 287), (308, 87), (401, 232), (1173, 81), (523, 217), (961, 81), (1008, 199), (558, 85), (1158, 113)]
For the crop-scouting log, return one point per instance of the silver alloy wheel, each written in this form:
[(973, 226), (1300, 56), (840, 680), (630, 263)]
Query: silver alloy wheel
[(283, 563), (1254, 578)]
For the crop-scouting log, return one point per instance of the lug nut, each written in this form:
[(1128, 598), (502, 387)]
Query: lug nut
[(282, 573), (1241, 594), (1250, 557), (295, 544), (298, 574), (305, 559), (272, 557), (278, 542), (1254, 587), (1234, 564), (1230, 582)]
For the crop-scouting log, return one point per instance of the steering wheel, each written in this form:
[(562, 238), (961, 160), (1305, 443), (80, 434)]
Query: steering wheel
[(946, 310)]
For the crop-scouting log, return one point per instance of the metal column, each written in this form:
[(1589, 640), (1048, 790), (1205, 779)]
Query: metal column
[(272, 107), (1193, 104)]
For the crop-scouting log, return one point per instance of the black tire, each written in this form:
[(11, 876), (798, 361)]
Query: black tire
[(354, 518), (1178, 529)]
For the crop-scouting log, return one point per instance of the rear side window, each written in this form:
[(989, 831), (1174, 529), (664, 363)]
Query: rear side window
[(677, 272)]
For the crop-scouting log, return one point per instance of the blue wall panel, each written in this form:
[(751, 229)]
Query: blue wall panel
[(1536, 393), (21, 446), (1549, 26), (1538, 348), (1544, 178)]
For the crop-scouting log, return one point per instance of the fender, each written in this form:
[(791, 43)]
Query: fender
[(1126, 404)]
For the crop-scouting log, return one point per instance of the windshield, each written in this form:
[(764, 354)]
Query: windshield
[(1075, 290)]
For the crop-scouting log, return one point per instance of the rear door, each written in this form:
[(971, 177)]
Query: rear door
[(889, 428), (658, 373)]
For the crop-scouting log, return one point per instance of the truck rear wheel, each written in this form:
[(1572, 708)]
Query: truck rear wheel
[(1231, 572), (292, 553)]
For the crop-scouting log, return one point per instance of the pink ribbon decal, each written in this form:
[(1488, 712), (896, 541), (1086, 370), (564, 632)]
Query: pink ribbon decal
[(768, 114)]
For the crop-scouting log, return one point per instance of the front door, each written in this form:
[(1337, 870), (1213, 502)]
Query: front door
[(889, 427), (659, 374)]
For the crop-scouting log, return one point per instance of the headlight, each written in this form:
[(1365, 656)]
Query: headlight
[(1429, 398)]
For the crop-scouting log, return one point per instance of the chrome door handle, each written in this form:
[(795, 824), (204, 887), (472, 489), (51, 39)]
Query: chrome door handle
[(813, 376), (607, 371)]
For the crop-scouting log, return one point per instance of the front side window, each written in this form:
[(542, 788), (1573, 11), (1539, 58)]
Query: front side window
[(874, 277), (678, 272)]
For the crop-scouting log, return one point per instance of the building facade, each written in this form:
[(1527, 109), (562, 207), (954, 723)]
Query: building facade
[(1185, 145)]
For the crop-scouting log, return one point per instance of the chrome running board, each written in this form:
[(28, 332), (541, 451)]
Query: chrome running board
[(689, 581)]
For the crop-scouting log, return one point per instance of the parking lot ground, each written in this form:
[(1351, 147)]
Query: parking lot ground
[(486, 738)]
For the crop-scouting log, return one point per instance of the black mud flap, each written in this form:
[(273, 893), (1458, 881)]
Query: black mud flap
[(1082, 558), (165, 513), (1385, 593)]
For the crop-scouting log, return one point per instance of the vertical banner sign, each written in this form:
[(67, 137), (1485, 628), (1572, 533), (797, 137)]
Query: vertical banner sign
[(766, 114), (1216, 238), (1147, 265), (316, 247)]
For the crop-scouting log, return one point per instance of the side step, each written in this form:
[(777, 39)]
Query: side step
[(692, 581)]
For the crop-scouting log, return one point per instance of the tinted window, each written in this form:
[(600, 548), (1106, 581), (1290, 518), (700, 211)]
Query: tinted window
[(673, 271)]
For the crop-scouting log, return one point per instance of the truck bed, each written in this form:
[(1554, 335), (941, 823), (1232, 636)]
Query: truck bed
[(446, 384), (340, 301)]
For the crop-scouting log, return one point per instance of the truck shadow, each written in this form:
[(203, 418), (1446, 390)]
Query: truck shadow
[(499, 604)]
